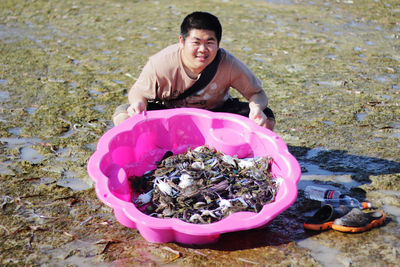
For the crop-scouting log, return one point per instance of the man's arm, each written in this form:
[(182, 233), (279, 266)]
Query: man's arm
[(246, 82)]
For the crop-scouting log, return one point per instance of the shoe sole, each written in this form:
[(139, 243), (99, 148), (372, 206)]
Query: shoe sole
[(318, 227), (351, 229)]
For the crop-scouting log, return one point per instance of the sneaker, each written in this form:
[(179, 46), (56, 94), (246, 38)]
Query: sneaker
[(324, 217), (358, 221)]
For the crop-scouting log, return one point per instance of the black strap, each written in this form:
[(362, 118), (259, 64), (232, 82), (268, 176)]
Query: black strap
[(205, 78)]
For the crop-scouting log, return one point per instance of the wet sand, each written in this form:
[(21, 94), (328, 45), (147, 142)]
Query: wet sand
[(330, 69)]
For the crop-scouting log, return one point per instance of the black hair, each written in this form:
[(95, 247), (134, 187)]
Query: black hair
[(201, 21)]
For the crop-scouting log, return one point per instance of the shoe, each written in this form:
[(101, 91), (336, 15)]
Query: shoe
[(324, 217), (358, 221)]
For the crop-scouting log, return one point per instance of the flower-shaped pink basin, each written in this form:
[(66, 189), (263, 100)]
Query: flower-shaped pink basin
[(133, 147)]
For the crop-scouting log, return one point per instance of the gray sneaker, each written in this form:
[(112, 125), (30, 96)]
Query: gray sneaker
[(358, 221)]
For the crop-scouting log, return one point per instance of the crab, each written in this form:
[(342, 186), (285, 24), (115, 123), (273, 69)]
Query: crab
[(164, 187), (144, 198), (185, 180)]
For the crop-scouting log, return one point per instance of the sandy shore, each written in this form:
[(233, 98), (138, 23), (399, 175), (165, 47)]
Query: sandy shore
[(330, 69)]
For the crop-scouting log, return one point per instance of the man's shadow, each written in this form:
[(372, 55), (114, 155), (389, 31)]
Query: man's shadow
[(288, 226)]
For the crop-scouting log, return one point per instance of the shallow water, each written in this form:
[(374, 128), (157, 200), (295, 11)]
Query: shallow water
[(327, 256), (330, 69), (31, 155)]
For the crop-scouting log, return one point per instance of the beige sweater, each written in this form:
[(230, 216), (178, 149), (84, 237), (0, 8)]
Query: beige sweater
[(164, 77)]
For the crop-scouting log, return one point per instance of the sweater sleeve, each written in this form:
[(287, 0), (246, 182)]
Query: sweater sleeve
[(243, 79), (147, 82)]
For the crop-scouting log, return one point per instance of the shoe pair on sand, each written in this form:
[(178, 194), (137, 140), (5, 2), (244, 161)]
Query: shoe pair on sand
[(344, 219)]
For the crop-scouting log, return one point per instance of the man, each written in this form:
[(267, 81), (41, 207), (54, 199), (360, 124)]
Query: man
[(196, 72)]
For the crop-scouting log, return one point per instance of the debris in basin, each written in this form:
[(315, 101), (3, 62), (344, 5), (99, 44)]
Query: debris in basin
[(204, 186)]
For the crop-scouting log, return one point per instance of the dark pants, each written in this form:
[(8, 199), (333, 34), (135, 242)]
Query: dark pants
[(232, 105)]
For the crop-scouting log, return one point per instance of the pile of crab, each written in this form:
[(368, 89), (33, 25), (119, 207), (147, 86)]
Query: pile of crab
[(204, 186)]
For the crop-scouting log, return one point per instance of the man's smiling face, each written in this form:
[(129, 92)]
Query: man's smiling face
[(198, 49)]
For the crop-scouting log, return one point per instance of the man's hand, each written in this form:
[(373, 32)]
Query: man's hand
[(257, 103), (136, 108), (138, 103), (257, 115)]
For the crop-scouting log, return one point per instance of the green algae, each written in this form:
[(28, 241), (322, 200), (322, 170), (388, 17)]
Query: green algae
[(67, 65)]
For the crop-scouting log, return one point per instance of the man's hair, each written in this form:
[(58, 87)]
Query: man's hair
[(201, 21)]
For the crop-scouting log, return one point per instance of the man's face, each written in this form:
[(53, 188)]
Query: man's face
[(199, 49)]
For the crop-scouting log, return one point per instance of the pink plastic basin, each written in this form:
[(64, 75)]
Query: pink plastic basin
[(133, 147)]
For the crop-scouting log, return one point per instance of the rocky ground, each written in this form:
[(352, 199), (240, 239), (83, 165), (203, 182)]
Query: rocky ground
[(330, 69)]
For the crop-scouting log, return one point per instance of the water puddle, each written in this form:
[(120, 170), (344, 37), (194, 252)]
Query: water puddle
[(325, 255), (11, 34), (4, 96), (31, 110), (341, 163), (100, 108), (315, 152), (15, 131), (330, 123), (68, 133), (15, 141), (395, 125), (314, 173), (5, 168), (386, 97), (283, 2), (76, 253), (74, 184), (73, 84), (45, 181), (382, 79), (294, 68), (91, 147), (118, 81), (331, 56), (361, 116), (396, 135), (95, 92), (393, 212), (390, 192), (65, 154), (31, 155), (311, 171), (70, 180), (329, 83)]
